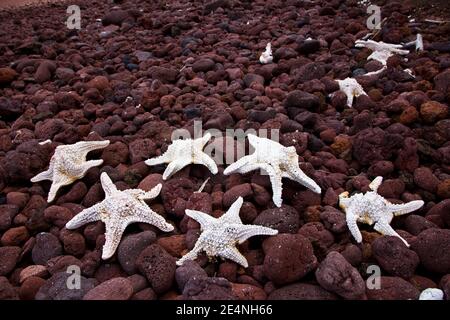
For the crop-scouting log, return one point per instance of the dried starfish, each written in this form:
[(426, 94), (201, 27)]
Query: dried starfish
[(381, 50), (182, 153), (351, 88), (220, 235), (371, 208), (277, 160), (69, 164), (118, 210), (266, 56)]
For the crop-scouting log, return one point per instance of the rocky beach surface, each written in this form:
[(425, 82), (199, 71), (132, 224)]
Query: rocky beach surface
[(138, 70)]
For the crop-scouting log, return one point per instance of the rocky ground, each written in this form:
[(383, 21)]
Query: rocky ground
[(185, 61)]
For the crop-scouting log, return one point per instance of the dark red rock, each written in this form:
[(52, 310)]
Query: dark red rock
[(61, 264), (58, 216), (200, 201), (301, 291), (7, 75), (433, 248), (74, 243), (208, 288), (9, 256), (301, 99), (131, 247), (158, 267), (163, 74), (288, 258), (444, 284), (115, 154), (393, 288), (284, 219), (7, 214), (333, 220), (374, 144), (30, 287), (203, 65), (175, 193), (56, 288), (18, 199), (415, 224), (394, 257), (335, 274), (114, 289), (189, 270), (319, 237), (47, 246), (7, 291), (116, 17), (45, 71), (15, 236), (425, 179), (142, 149)]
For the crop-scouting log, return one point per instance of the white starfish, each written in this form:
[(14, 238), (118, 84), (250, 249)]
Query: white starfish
[(182, 153), (220, 235), (275, 159), (266, 56), (351, 88), (418, 43), (69, 164), (381, 50), (371, 208), (117, 211)]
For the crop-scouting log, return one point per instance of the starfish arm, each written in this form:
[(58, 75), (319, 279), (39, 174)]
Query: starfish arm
[(376, 183), (232, 214), (153, 193), (204, 219), (349, 97), (113, 234), (107, 184), (175, 166), (88, 215), (248, 231), (254, 140), (299, 176), (233, 254), (84, 147), (58, 182), (191, 255), (90, 164), (147, 215), (45, 175), (399, 209), (236, 166), (204, 140), (206, 160), (277, 185), (385, 229), (164, 158), (352, 225)]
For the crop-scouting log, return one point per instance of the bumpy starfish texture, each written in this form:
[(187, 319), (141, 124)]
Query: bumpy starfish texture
[(266, 56), (371, 208), (275, 159), (69, 164), (182, 153), (118, 210), (381, 50), (351, 88), (220, 236)]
